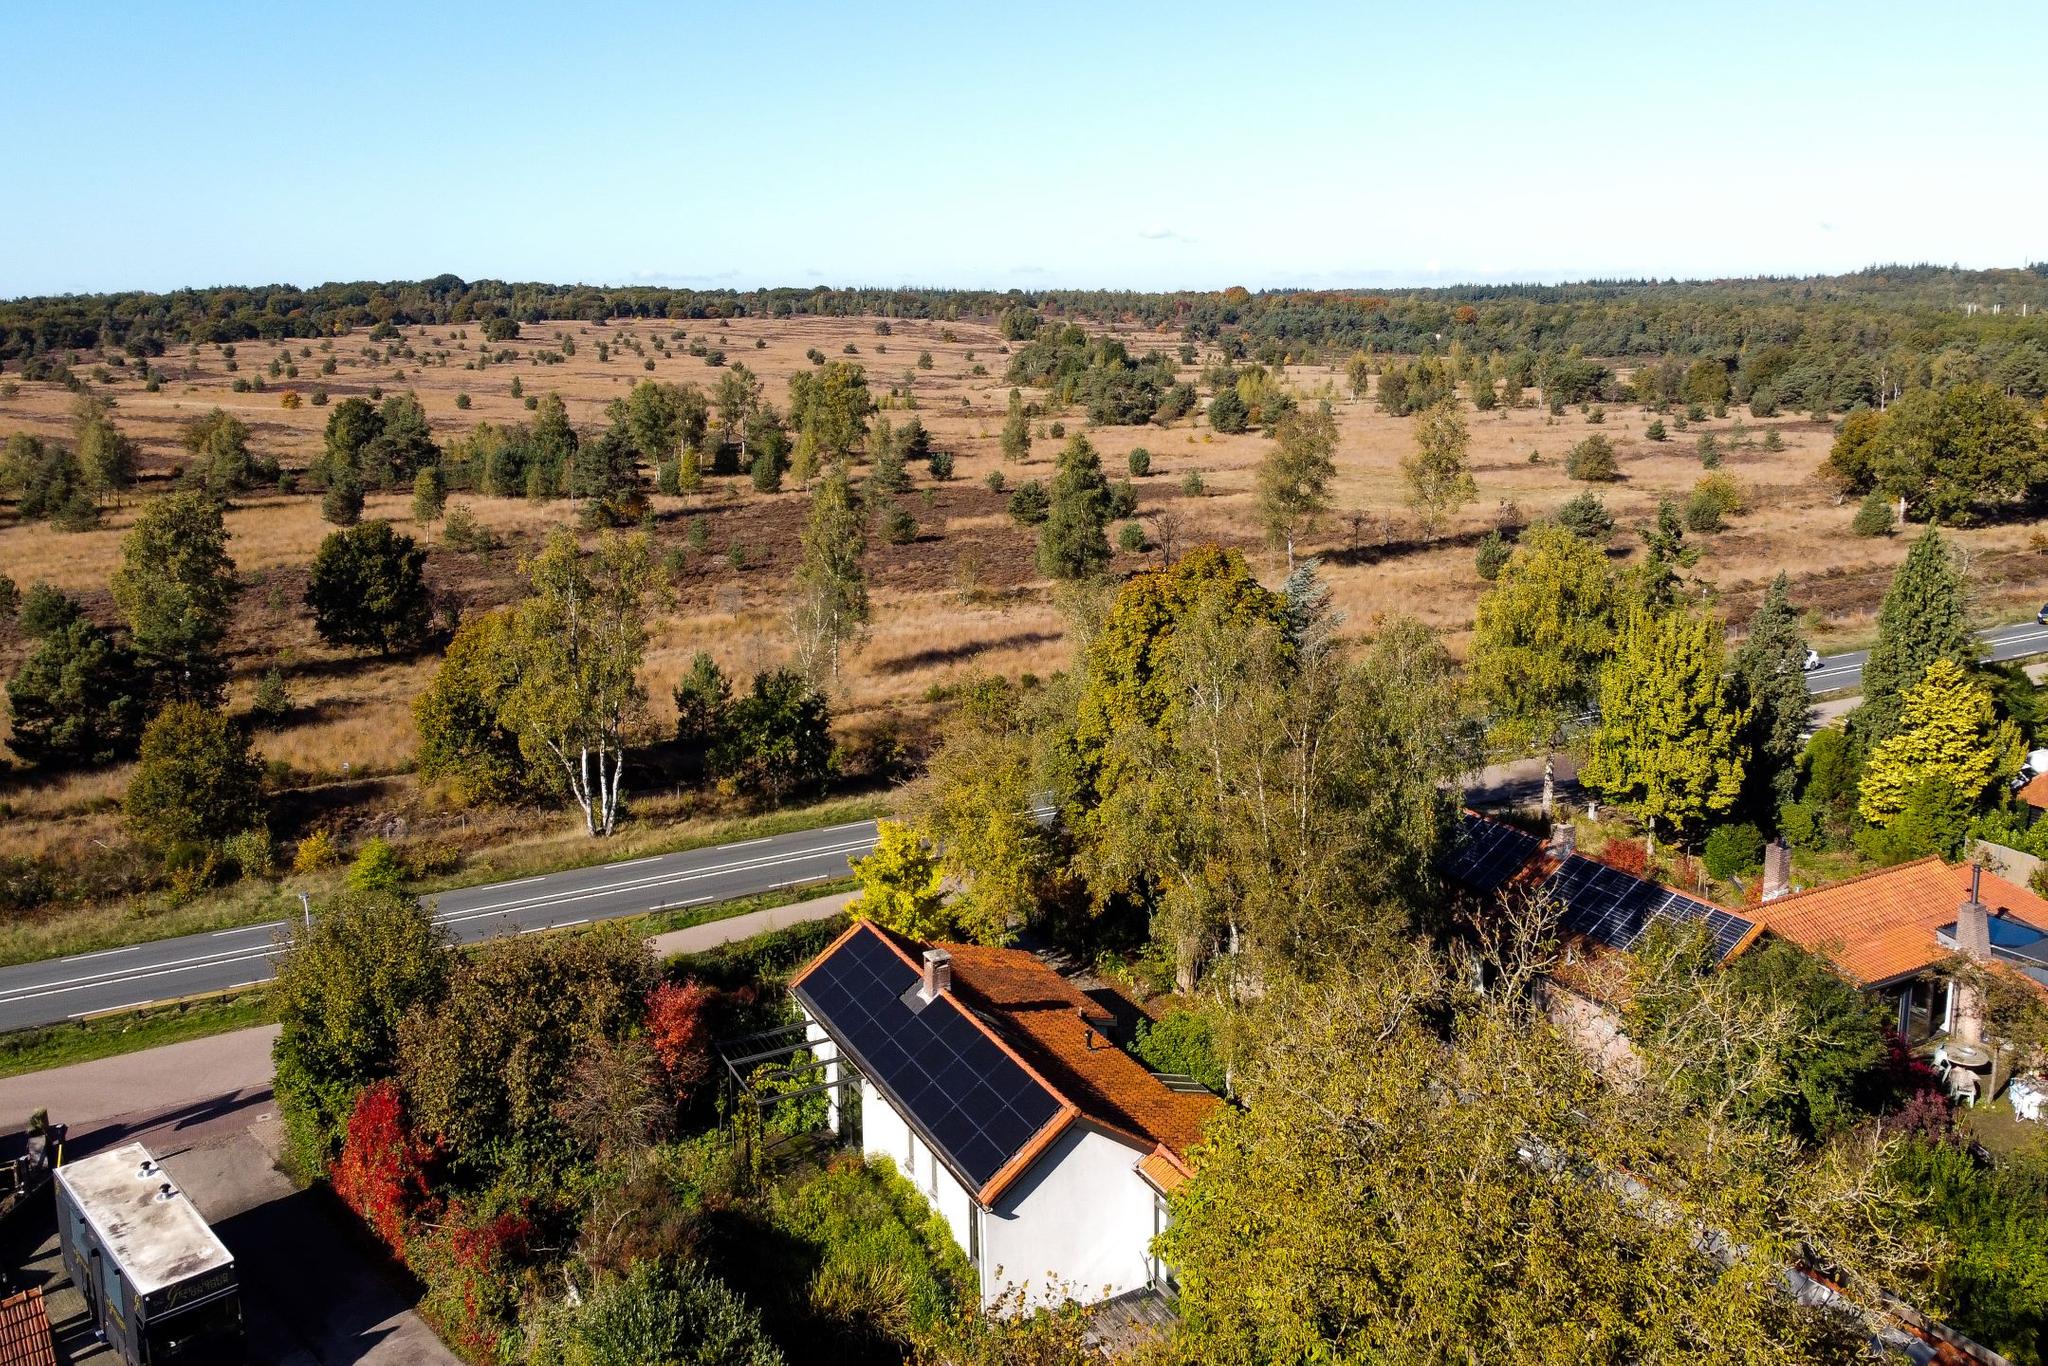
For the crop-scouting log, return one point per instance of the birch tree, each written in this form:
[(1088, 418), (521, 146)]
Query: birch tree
[(579, 642), (832, 587)]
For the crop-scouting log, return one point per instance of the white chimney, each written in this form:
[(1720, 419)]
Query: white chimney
[(1973, 941), (938, 973), (1777, 869)]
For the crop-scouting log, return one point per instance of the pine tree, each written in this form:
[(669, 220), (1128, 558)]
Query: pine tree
[(176, 586), (1771, 666), (1925, 617), (1670, 744), (1541, 634), (1016, 430), (1072, 544), (1948, 730)]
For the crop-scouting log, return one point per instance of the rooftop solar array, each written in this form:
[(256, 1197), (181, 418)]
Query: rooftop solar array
[(1485, 854), (975, 1103), (1614, 908)]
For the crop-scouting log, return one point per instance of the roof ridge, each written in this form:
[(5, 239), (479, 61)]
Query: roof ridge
[(1863, 877)]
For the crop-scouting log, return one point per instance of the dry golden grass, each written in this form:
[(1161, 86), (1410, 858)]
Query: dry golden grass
[(927, 629)]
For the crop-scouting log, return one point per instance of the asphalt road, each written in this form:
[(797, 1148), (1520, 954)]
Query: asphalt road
[(59, 989), (1845, 671)]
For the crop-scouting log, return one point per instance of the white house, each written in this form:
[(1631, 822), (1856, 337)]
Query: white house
[(991, 1082)]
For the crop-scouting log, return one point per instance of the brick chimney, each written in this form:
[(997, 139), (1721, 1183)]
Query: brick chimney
[(1973, 922), (1777, 869), (1564, 840), (938, 973)]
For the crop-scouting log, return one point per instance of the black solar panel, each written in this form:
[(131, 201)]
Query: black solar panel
[(1485, 854), (975, 1103), (1614, 908)]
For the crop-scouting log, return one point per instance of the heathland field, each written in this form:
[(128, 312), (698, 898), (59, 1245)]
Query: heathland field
[(963, 598)]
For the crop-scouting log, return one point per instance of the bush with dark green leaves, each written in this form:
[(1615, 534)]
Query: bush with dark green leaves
[(779, 739), (1140, 462), (1131, 537), (1492, 555), (1587, 518), (996, 482), (1029, 503), (368, 589), (896, 524), (941, 465), (1592, 461), (196, 780), (1874, 516), (342, 504), (1732, 849), (1227, 412), (1655, 431), (273, 701)]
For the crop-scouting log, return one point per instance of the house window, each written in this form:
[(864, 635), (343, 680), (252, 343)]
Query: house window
[(1922, 1008), (974, 1235)]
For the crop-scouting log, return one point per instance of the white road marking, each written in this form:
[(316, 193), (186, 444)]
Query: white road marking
[(246, 929), (81, 957), (645, 883), (100, 979)]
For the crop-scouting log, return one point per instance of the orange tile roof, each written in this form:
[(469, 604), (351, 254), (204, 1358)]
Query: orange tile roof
[(1062, 1033), (1880, 927), (1165, 1171), (2035, 793), (25, 1331)]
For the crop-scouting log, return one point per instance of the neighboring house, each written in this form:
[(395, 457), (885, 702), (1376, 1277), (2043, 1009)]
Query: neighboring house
[(2034, 795), (1602, 914), (1890, 932), (1893, 931), (992, 1083)]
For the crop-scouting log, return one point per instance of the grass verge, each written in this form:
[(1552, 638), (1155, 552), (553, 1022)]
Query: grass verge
[(34, 1050)]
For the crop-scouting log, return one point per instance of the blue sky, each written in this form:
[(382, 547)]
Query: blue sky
[(153, 146)]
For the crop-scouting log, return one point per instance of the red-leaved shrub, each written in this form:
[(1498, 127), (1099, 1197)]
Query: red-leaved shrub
[(679, 1024), (1626, 856), (381, 1173)]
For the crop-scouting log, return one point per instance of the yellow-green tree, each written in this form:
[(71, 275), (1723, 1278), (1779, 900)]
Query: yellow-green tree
[(975, 808), (1294, 477), (1669, 746), (1541, 634), (901, 886), (1949, 730), (1439, 472)]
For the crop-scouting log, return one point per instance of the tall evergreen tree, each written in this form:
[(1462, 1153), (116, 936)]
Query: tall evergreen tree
[(175, 586), (1771, 667), (1925, 617), (77, 698), (1949, 731), (1072, 543), (1669, 746)]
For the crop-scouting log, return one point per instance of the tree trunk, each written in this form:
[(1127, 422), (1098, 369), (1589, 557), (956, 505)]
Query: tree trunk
[(1549, 783)]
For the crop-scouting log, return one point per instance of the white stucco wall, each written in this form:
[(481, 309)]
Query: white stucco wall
[(1079, 1222), (884, 1134)]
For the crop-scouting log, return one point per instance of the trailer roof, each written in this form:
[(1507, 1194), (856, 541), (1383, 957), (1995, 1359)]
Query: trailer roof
[(157, 1239)]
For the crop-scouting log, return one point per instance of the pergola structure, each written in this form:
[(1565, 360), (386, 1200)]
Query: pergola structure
[(756, 1066)]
